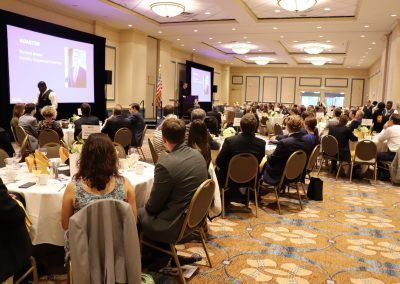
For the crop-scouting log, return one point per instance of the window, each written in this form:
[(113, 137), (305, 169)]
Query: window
[(310, 98), (334, 99)]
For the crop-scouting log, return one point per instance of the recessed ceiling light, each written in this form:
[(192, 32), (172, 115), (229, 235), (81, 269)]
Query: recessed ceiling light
[(329, 50), (393, 15), (275, 28), (363, 36), (207, 13), (327, 9), (281, 36), (366, 26), (373, 42), (220, 42), (277, 11), (260, 50), (364, 56), (130, 26), (319, 27), (194, 49), (160, 32), (233, 29), (210, 38), (321, 36), (178, 39), (244, 37), (369, 48), (328, 40), (295, 41), (195, 31), (248, 41)]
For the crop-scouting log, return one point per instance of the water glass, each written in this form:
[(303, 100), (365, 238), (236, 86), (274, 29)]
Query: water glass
[(43, 151)]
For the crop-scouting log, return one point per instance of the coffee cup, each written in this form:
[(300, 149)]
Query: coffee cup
[(11, 174), (139, 169), (123, 163), (43, 179)]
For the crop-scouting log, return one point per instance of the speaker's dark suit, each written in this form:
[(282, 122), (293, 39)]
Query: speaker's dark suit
[(113, 124), (137, 126), (343, 135)]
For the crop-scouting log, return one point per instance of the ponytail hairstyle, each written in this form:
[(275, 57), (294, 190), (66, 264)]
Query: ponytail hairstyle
[(311, 123)]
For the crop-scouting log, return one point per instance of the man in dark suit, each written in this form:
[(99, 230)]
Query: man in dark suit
[(137, 124), (215, 114), (86, 119), (115, 122), (285, 147), (245, 142), (343, 135), (176, 179)]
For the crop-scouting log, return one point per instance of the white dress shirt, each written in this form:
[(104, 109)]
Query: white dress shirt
[(392, 136), (52, 98)]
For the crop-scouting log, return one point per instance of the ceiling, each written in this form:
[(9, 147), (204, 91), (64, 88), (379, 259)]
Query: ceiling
[(354, 29)]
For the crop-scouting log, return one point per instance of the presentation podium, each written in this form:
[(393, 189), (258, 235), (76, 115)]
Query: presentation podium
[(188, 105)]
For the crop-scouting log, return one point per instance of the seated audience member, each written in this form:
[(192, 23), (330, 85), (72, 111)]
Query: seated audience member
[(378, 118), (227, 127), (5, 142), (85, 119), (389, 110), (168, 110), (15, 243), (254, 112), (29, 123), (198, 135), (97, 178), (391, 135), (137, 124), (176, 178), (343, 135), (285, 147), (115, 122), (49, 114), (157, 137), (335, 120), (200, 114), (244, 142), (367, 110), (215, 114), (310, 125), (18, 111), (356, 117), (294, 111)]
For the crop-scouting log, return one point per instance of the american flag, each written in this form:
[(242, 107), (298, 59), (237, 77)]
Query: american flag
[(159, 89)]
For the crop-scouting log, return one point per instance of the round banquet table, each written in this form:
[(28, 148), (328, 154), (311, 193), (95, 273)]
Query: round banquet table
[(43, 202)]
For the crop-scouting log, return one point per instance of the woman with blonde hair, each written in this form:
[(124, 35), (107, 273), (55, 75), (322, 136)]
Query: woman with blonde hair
[(49, 113)]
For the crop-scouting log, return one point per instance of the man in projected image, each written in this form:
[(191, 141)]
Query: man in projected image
[(77, 74)]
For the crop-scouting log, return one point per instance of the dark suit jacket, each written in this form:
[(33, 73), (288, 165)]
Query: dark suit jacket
[(280, 137), (5, 142), (354, 124), (176, 179), (285, 147), (113, 124), (343, 135), (84, 120), (241, 143), (217, 115), (136, 126), (80, 81)]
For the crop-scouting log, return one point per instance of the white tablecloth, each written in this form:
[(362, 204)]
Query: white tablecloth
[(43, 202), (69, 136)]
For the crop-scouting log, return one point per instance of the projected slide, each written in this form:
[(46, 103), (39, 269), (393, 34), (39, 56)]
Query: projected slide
[(201, 84), (65, 65)]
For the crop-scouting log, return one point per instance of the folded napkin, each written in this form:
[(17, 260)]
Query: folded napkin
[(30, 161), (42, 161), (64, 155)]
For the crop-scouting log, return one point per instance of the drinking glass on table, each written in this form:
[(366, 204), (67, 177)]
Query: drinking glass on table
[(43, 151), (36, 170)]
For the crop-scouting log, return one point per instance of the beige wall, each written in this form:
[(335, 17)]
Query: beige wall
[(285, 84)]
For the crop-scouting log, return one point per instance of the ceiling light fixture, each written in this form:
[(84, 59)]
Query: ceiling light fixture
[(261, 60), (327, 9), (313, 47), (296, 5), (318, 61), (167, 9), (241, 48)]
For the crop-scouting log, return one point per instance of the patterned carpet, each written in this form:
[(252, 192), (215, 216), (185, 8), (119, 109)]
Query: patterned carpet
[(351, 237)]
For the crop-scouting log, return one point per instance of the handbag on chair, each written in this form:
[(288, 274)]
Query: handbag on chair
[(315, 189)]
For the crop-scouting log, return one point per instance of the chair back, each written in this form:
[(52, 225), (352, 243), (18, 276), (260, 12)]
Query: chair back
[(120, 150), (330, 146), (313, 158), (53, 150), (153, 152), (123, 137), (143, 135), (198, 208), (13, 134), (294, 166), (48, 136), (242, 168), (25, 148), (3, 156), (278, 129), (212, 124), (20, 134), (366, 151)]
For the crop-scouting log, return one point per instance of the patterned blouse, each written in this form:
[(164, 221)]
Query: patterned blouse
[(83, 198), (53, 125)]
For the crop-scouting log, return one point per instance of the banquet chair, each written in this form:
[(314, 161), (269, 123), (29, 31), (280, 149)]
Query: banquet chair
[(25, 149), (242, 169), (139, 146), (153, 152), (312, 161), (330, 151), (32, 269), (365, 154), (20, 134), (53, 150), (48, 136), (120, 150), (278, 129), (13, 134), (123, 137), (291, 175), (196, 217), (3, 156)]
